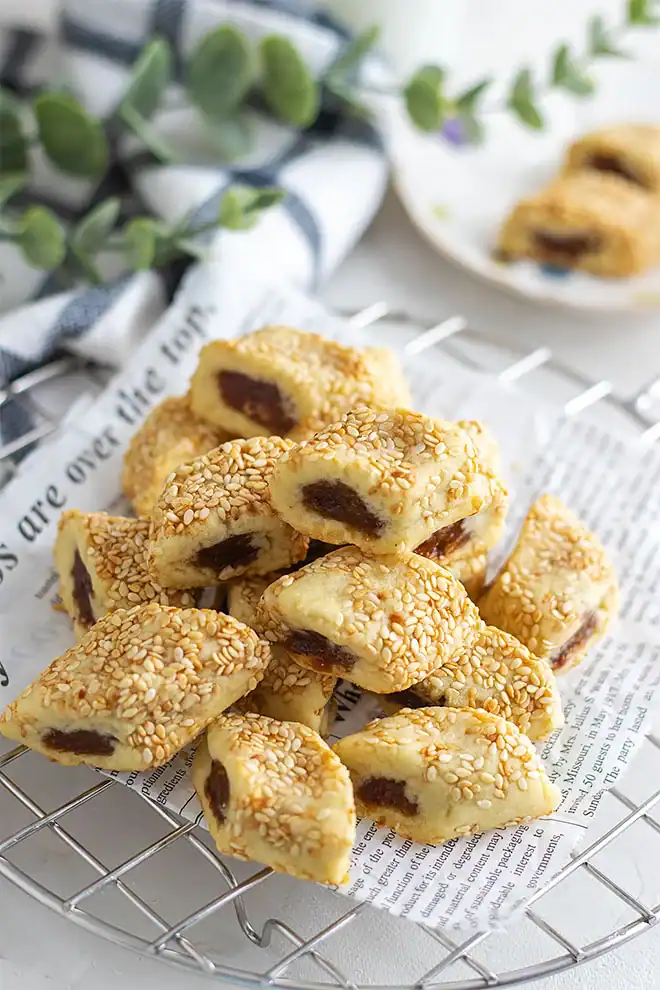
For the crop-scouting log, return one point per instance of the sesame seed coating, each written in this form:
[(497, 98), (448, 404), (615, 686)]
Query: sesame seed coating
[(219, 496), (170, 435), (414, 476), (114, 551), (149, 678), (317, 379), (558, 574), (495, 672), (288, 691), (457, 771), (398, 616), (289, 800), (471, 572)]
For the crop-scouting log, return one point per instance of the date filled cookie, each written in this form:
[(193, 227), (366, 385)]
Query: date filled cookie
[(557, 593), (274, 792), (391, 482), (629, 151), (214, 519), (103, 564), (437, 773), (381, 622), (289, 383), (494, 672), (288, 691), (591, 221), (170, 435), (140, 685)]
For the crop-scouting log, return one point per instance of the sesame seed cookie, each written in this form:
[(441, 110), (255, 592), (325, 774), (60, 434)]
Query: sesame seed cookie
[(435, 773), (557, 593), (382, 622), (170, 435), (391, 482), (274, 792), (497, 673), (214, 521), (471, 572), (631, 151), (288, 691), (103, 564), (286, 382), (140, 685)]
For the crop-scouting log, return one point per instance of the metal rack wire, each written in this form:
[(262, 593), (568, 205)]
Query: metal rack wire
[(203, 938)]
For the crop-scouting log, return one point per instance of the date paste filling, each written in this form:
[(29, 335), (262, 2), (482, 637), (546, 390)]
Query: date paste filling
[(82, 591), (444, 541), (388, 793), (80, 741), (326, 655), (217, 791), (235, 551), (260, 401), (337, 500), (614, 165), (565, 248), (563, 655)]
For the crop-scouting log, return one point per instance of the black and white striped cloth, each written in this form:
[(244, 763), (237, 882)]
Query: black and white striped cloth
[(334, 175)]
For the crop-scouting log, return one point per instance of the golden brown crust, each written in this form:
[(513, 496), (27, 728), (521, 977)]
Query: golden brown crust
[(596, 222), (631, 151), (170, 435)]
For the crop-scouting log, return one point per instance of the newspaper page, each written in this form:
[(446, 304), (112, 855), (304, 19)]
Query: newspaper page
[(612, 482)]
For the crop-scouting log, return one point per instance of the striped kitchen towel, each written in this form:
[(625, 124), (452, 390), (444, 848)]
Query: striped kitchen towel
[(334, 175)]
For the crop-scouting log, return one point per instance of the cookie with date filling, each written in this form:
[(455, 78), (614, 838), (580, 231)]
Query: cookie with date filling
[(140, 685), (274, 792), (288, 691), (495, 672), (471, 572), (557, 593), (284, 382), (590, 221), (390, 482), (629, 151), (214, 520), (381, 622), (436, 773), (170, 435), (103, 565)]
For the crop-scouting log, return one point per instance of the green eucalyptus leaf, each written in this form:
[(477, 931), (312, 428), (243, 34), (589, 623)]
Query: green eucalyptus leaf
[(522, 101), (349, 95), (522, 90), (642, 13), (241, 205), (13, 145), (352, 56), (82, 268), (472, 128), (91, 233), (424, 99), (580, 85), (600, 41), (147, 133), (468, 100), (140, 236), (71, 138), (529, 114), (232, 136), (220, 71), (10, 183), (150, 77), (288, 86), (561, 65), (41, 239)]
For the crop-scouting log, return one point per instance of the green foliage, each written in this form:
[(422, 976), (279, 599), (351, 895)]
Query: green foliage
[(11, 183), (288, 86), (424, 98), (232, 137), (40, 237), (220, 72), (566, 73), (90, 235), (241, 205), (522, 100), (150, 77), (71, 138), (600, 40), (643, 13), (13, 144)]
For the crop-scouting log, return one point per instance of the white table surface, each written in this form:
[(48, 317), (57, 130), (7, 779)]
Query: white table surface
[(39, 950)]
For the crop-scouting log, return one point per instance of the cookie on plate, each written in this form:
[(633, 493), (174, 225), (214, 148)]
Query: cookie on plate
[(629, 151)]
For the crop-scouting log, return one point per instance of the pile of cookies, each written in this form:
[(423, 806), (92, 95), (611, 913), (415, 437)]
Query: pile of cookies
[(602, 215), (346, 536)]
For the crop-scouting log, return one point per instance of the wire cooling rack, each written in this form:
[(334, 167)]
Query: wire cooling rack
[(134, 873)]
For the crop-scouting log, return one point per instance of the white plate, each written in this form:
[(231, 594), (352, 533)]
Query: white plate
[(457, 196)]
